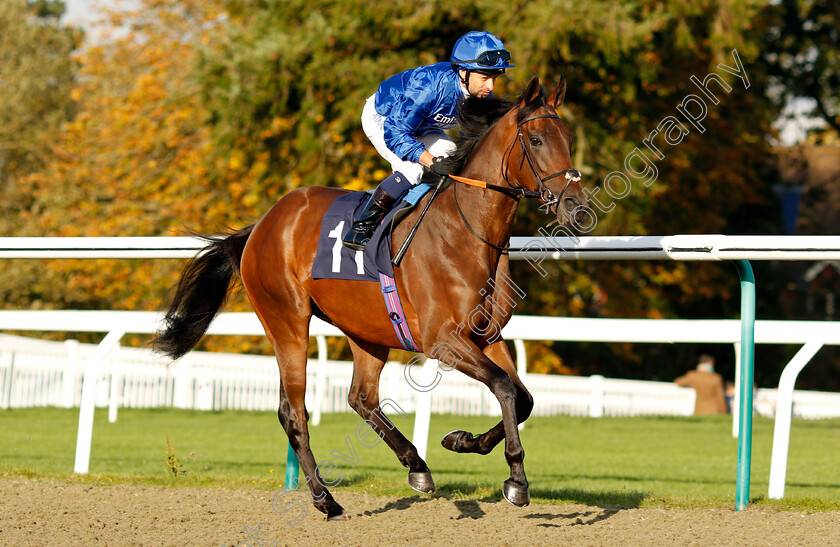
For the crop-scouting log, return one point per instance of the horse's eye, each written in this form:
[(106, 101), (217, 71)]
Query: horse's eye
[(535, 141)]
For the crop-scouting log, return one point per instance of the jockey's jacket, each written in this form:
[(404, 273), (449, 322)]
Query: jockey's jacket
[(415, 102)]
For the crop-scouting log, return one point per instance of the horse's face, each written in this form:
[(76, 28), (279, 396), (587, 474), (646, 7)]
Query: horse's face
[(540, 158)]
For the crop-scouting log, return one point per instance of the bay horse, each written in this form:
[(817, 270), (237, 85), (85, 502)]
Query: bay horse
[(520, 149)]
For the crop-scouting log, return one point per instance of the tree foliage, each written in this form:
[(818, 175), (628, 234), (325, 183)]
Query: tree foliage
[(132, 161), (36, 73), (630, 65), (803, 55)]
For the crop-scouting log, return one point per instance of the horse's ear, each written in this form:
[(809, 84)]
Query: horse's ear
[(533, 92), (556, 97)]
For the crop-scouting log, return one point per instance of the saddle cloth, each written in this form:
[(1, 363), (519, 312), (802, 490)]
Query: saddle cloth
[(333, 260)]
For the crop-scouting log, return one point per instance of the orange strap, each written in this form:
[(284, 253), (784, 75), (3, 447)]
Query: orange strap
[(471, 182)]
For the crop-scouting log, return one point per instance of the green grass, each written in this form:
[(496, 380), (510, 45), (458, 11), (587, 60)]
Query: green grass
[(633, 462)]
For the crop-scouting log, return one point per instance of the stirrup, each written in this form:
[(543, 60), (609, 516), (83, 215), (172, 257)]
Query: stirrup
[(360, 233)]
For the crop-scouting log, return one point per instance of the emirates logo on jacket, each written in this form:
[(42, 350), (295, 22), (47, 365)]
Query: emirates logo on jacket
[(445, 120)]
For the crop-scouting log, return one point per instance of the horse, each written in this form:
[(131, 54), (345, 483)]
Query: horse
[(516, 149)]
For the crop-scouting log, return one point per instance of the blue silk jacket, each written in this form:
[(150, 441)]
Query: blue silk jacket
[(415, 102)]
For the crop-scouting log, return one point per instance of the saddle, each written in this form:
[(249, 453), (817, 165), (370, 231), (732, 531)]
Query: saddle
[(333, 260)]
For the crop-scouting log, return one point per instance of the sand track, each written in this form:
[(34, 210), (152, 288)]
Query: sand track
[(39, 513)]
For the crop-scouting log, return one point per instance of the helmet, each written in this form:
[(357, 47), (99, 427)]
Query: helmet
[(482, 51)]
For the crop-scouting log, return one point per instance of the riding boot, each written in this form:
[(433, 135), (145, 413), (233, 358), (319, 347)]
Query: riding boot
[(376, 209)]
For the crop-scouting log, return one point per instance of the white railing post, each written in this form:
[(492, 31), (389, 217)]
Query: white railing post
[(115, 393), (596, 404), (182, 379), (423, 411), (320, 378), (204, 388), (521, 364), (6, 395), (92, 367), (521, 357), (68, 383), (784, 410)]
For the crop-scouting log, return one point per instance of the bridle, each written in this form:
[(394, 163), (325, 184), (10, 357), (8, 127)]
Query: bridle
[(544, 194), (549, 201)]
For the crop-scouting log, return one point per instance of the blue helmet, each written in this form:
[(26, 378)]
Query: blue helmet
[(482, 51)]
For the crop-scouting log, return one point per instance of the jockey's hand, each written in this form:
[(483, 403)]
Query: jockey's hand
[(438, 168)]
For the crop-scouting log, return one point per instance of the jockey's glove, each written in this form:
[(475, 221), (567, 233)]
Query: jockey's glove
[(439, 168)]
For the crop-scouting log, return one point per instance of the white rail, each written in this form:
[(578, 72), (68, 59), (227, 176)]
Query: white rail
[(692, 247)]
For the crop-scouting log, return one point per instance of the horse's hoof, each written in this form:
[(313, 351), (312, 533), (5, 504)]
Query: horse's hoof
[(341, 517), (516, 493), (454, 440), (421, 481)]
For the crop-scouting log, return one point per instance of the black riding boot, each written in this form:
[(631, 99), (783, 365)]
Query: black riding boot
[(376, 209)]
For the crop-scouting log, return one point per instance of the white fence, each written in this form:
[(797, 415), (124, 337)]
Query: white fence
[(44, 373)]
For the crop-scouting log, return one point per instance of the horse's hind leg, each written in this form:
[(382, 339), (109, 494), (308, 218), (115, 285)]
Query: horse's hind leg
[(290, 348), (368, 361), (285, 315), (465, 442)]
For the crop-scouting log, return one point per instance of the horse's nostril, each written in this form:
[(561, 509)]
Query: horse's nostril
[(570, 204)]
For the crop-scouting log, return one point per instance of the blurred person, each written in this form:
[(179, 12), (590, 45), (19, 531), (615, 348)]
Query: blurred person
[(709, 387), (729, 392)]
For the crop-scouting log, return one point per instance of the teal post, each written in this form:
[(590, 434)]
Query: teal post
[(292, 469), (742, 487)]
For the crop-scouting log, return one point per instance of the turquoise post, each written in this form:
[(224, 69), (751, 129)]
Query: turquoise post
[(742, 487), (292, 469)]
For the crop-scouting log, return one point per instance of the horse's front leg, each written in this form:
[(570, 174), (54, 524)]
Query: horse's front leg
[(470, 360), (464, 441)]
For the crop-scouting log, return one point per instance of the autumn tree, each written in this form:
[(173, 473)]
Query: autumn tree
[(803, 57), (629, 66), (135, 159), (36, 73)]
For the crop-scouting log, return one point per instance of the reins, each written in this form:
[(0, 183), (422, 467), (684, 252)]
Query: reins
[(507, 190)]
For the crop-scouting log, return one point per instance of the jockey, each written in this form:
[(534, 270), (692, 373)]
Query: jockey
[(405, 120)]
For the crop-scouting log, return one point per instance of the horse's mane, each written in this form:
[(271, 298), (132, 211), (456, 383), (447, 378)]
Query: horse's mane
[(477, 116)]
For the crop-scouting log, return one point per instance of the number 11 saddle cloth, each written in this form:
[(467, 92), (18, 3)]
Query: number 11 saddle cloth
[(333, 260)]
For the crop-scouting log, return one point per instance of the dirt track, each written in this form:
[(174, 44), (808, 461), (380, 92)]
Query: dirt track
[(34, 513)]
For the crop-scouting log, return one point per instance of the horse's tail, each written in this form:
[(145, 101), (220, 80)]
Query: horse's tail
[(201, 293)]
